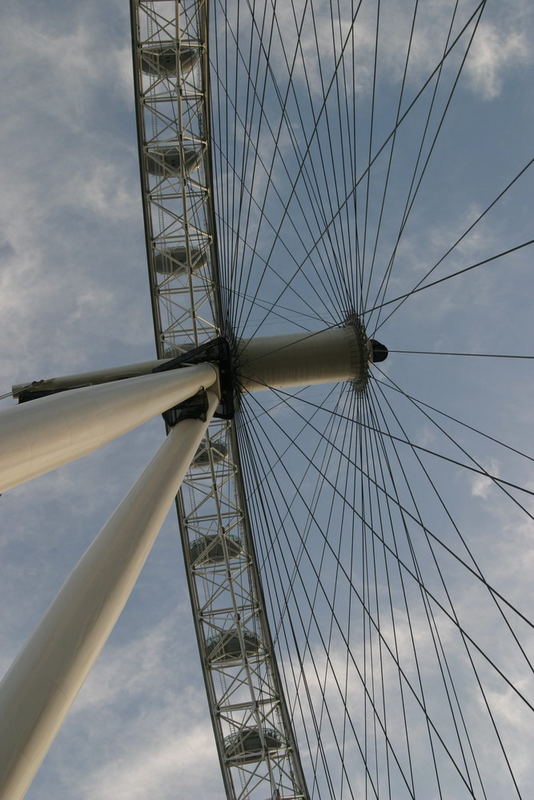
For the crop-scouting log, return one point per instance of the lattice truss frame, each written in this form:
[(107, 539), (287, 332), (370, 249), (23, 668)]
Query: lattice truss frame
[(252, 727)]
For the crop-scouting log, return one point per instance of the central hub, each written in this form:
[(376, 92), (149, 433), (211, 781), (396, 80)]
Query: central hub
[(274, 362), (303, 359)]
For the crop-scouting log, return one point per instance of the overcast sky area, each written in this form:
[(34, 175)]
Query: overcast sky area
[(74, 296)]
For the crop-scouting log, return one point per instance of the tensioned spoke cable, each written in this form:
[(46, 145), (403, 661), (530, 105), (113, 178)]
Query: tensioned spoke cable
[(462, 538), (266, 263), (419, 402), (413, 192), (223, 64), (278, 314), (427, 530), (382, 448), (314, 464), (365, 446), (347, 720), (377, 154), (471, 355), (373, 622), (325, 593), (222, 237), (252, 247), (454, 614), (440, 605), (245, 125), (382, 452), (347, 123), (382, 519), (494, 598), (479, 471), (405, 511), (406, 295), (328, 528), (303, 171), (313, 135), (256, 254), (354, 167), (256, 145), (232, 188), (331, 505), (365, 526), (432, 596), (363, 300), (282, 455), (336, 244), (428, 609), (499, 482), (312, 196), (262, 482), (330, 176), (253, 416), (350, 480), (323, 110), (360, 302), (255, 467), (418, 286), (222, 187), (312, 460)]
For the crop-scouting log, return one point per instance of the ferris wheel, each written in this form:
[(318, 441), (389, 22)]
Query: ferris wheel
[(320, 188)]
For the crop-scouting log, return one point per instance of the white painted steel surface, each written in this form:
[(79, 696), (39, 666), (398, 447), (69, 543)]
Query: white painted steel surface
[(301, 359), (297, 359), (79, 379), (44, 434), (173, 110), (42, 683)]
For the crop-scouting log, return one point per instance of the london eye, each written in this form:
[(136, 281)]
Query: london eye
[(339, 604)]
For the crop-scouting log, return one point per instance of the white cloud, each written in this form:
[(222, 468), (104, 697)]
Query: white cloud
[(494, 54), (155, 737), (481, 484), (129, 670), (166, 766), (70, 191), (103, 189), (498, 47)]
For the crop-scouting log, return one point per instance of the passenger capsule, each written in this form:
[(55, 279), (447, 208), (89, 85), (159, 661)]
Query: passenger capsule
[(164, 58), (217, 450), (247, 746), (213, 548), (175, 260), (175, 350), (226, 646), (168, 160)]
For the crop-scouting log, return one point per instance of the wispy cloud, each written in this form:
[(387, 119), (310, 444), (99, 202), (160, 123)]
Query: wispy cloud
[(145, 716), (481, 484), (495, 55)]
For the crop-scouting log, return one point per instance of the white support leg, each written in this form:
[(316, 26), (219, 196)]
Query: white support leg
[(77, 380), (38, 690), (44, 434)]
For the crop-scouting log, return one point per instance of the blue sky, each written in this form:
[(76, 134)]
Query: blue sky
[(74, 296)]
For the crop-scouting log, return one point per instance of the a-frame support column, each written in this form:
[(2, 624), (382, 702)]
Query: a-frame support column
[(38, 690), (47, 433)]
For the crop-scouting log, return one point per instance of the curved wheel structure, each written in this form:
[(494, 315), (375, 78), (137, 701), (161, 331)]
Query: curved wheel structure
[(251, 722), (315, 156), (358, 552)]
